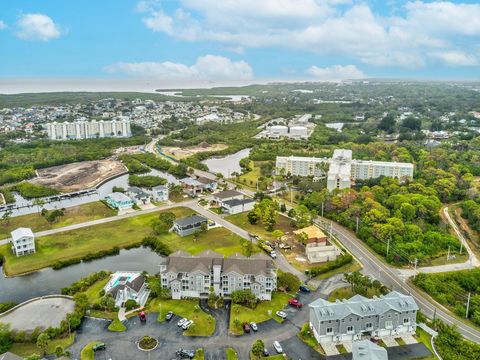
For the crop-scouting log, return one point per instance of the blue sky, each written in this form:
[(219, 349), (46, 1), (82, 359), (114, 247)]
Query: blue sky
[(248, 39)]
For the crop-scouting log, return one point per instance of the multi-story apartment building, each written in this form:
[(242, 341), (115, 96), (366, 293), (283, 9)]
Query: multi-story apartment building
[(23, 241), (193, 276), (342, 169), (88, 129), (359, 317)]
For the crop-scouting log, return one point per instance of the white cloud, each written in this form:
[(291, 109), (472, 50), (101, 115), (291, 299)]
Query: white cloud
[(2, 25), (208, 67), (333, 27), (37, 27), (335, 72), (456, 58)]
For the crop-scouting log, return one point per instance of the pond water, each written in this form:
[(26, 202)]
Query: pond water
[(228, 164), (49, 281)]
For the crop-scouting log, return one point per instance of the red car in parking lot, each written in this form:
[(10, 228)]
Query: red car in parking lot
[(295, 302), (246, 327), (142, 316)]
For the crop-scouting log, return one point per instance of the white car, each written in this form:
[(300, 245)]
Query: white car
[(182, 321), (282, 314), (278, 347), (253, 326), (187, 324)]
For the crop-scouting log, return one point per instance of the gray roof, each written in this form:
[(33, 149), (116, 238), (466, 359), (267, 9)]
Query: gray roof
[(137, 191), (160, 187), (227, 194), (21, 232), (190, 182), (190, 220), (182, 262), (10, 356), (362, 306), (237, 202), (367, 350), (205, 180), (136, 284)]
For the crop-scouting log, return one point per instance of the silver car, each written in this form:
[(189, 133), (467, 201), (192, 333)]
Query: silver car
[(278, 347), (182, 321), (187, 324)]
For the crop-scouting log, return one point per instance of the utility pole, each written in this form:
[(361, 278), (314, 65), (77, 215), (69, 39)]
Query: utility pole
[(322, 208), (461, 247), (388, 246), (356, 230), (434, 313), (468, 305), (291, 195), (331, 229), (448, 254), (415, 269)]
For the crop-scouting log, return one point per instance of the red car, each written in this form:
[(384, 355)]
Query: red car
[(246, 327), (295, 302), (142, 316)]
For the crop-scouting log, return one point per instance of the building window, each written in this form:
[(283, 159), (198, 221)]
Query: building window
[(349, 329), (368, 326), (329, 331), (406, 321), (388, 324)]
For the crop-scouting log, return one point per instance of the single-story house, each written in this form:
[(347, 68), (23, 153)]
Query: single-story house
[(226, 195), (125, 286), (317, 247), (188, 225), (236, 206), (160, 193), (138, 195), (191, 185), (119, 201), (208, 184)]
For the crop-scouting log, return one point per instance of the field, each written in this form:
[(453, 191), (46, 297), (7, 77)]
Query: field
[(283, 223), (264, 311), (78, 176), (182, 153), (27, 349), (73, 215), (203, 323), (78, 243)]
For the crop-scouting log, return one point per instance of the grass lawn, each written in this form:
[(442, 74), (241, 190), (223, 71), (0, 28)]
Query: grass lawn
[(423, 337), (307, 337), (203, 323), (122, 233), (27, 349), (103, 314), (341, 349), (264, 311), (249, 180), (73, 215), (93, 292), (231, 354), (400, 341), (87, 352), (116, 326), (348, 268), (199, 355), (241, 220)]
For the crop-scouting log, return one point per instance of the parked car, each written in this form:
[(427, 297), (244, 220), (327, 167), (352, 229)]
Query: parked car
[(187, 324), (169, 316), (282, 314), (182, 321), (246, 327), (295, 302), (278, 347), (185, 354), (273, 254), (304, 288), (98, 347), (266, 352), (253, 326), (142, 316)]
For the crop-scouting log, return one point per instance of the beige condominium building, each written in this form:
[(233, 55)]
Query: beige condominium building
[(342, 169)]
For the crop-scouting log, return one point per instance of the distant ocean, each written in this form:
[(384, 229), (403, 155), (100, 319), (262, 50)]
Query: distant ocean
[(38, 85)]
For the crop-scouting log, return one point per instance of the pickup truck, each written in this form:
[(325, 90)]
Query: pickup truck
[(294, 302)]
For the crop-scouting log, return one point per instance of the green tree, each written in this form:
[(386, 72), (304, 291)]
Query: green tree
[(154, 286), (42, 342), (58, 351), (277, 234), (287, 281), (258, 347), (253, 217), (5, 338)]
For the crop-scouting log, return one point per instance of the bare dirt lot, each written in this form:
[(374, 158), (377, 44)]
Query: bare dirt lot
[(181, 153), (78, 176)]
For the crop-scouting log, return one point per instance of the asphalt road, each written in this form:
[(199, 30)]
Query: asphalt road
[(392, 278)]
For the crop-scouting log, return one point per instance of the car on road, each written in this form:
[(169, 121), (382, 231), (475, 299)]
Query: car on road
[(246, 327), (185, 354), (295, 302), (273, 254), (98, 347), (142, 316), (304, 288), (169, 316), (281, 314), (187, 324), (278, 347), (253, 326), (182, 321)]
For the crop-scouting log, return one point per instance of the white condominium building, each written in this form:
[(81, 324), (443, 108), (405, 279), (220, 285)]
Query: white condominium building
[(88, 129), (342, 169)]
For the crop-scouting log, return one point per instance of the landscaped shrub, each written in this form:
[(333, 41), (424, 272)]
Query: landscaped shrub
[(130, 304), (6, 306), (331, 265), (156, 245), (85, 283)]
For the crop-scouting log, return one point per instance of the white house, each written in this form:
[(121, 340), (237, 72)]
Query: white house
[(160, 193), (23, 241), (236, 206), (125, 286)]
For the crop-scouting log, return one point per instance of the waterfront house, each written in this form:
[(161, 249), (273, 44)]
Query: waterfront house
[(188, 225), (119, 201), (23, 241), (125, 286)]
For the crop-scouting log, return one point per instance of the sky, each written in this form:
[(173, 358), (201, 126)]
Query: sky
[(246, 40)]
